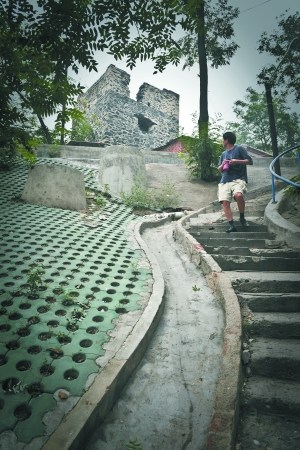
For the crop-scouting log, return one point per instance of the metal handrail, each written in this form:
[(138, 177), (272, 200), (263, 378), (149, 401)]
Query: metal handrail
[(275, 175)]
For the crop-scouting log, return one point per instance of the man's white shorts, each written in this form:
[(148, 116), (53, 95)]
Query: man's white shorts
[(226, 191)]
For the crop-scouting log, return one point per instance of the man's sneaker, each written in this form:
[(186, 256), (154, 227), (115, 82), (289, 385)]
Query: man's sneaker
[(244, 223), (231, 229)]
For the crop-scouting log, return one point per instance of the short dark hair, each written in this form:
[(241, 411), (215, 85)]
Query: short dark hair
[(230, 137)]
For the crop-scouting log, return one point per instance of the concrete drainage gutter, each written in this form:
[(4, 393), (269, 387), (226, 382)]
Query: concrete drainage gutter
[(122, 359), (96, 403), (223, 424)]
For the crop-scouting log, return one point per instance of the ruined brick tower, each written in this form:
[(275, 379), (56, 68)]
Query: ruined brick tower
[(148, 122)]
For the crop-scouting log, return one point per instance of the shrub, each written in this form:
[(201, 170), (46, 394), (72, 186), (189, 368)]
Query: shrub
[(141, 197), (8, 155)]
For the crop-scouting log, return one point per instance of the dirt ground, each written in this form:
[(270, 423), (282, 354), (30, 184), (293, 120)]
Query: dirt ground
[(192, 194)]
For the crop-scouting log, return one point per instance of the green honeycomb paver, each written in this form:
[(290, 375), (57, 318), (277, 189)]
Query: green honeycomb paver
[(94, 266)]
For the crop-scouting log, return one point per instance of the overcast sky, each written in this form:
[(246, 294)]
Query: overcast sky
[(226, 84)]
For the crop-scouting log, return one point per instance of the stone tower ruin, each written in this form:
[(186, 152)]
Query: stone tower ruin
[(148, 122)]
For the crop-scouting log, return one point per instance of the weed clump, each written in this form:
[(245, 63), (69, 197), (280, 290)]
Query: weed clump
[(141, 197)]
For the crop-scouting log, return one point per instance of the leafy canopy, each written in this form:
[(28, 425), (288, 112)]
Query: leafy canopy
[(40, 41), (216, 26), (253, 121), (284, 45)]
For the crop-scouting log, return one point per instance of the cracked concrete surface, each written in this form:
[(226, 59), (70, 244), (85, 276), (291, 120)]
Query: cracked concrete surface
[(168, 401)]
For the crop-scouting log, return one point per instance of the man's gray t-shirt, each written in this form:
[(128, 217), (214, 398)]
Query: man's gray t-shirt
[(236, 171)]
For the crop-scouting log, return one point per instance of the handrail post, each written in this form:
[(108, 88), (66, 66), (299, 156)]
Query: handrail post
[(273, 189)]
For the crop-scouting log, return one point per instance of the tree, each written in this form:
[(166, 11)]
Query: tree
[(86, 126), (284, 45), (41, 41), (209, 39), (253, 122), (29, 73)]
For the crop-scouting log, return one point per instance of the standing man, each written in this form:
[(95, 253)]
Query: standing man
[(232, 166)]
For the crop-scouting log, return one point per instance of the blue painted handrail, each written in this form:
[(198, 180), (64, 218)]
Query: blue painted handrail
[(279, 177)]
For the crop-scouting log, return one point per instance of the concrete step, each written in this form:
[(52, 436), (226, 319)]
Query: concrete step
[(268, 432), (255, 263), (271, 302), (234, 241), (228, 237), (274, 325), (221, 227), (276, 358), (251, 209), (246, 251), (272, 396), (285, 282)]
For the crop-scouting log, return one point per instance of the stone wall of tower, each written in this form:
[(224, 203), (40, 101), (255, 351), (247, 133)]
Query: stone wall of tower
[(163, 100), (148, 122)]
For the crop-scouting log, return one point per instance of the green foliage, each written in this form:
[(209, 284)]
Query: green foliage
[(8, 155), (28, 156), (200, 158), (99, 201), (141, 197), (95, 199), (68, 299), (106, 190), (83, 131), (201, 152), (85, 127), (208, 38), (18, 143), (134, 445), (284, 45), (217, 27), (54, 151), (35, 279), (253, 121), (41, 41), (293, 191), (78, 314)]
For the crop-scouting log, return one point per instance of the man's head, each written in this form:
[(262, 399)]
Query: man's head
[(229, 137)]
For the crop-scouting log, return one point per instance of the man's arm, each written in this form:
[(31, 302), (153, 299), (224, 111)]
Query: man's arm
[(245, 158), (242, 161)]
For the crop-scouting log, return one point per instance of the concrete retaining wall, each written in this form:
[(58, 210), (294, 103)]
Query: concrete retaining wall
[(285, 230), (56, 187), (83, 153)]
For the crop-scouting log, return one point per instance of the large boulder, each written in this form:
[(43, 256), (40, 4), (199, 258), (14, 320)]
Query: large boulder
[(120, 167), (55, 186)]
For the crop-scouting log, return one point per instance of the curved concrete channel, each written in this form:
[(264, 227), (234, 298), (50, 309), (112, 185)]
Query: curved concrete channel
[(169, 399)]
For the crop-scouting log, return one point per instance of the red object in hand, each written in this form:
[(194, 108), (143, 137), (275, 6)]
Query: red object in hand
[(226, 166)]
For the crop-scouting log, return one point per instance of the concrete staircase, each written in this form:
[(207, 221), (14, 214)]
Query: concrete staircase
[(265, 274)]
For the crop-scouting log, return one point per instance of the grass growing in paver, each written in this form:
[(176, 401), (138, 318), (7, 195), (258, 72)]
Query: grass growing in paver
[(65, 277)]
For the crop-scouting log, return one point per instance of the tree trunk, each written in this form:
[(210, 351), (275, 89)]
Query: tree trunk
[(63, 124), (45, 130), (272, 123), (63, 115), (203, 74), (44, 127), (206, 148)]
